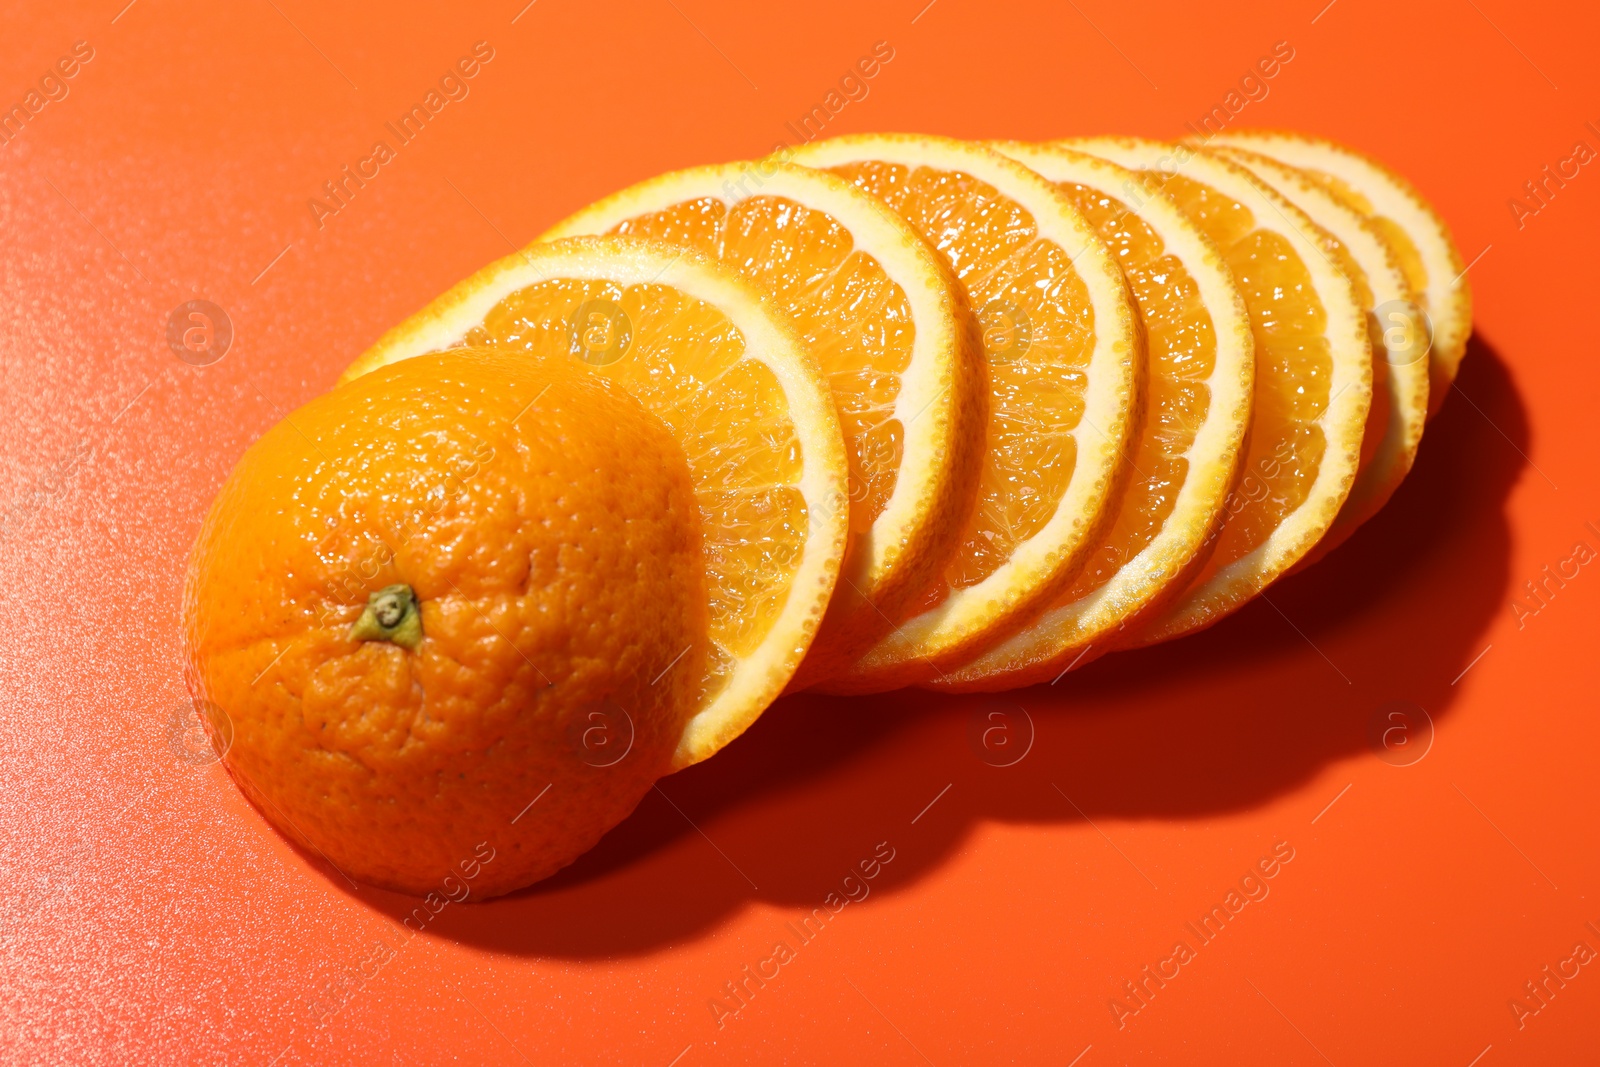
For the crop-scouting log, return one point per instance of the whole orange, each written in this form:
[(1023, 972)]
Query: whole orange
[(447, 620)]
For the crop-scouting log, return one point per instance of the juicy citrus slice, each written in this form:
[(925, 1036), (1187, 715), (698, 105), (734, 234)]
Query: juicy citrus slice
[(1313, 383), (1197, 409), (1399, 349), (733, 383), (1065, 357), (1414, 231), (880, 313)]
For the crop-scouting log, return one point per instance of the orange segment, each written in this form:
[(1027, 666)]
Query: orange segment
[(1201, 366), (881, 315), (1313, 381), (1064, 357), (735, 388)]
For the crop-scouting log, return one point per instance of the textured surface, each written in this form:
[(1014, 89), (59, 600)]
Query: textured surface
[(153, 916), (546, 525)]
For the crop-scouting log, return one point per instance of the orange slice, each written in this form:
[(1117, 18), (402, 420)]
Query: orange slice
[(734, 385), (1414, 231), (1197, 409), (1399, 343), (1065, 357), (1313, 383), (880, 313)]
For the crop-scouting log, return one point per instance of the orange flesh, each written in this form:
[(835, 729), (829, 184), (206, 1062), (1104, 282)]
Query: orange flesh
[(1038, 337), (683, 360), (854, 317), (1182, 348), (1293, 367)]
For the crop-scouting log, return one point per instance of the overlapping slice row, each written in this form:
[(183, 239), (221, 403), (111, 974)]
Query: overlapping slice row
[(1313, 382), (739, 392), (1024, 404), (880, 314), (1065, 357), (1201, 369)]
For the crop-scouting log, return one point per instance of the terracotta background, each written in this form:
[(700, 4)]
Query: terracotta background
[(151, 916)]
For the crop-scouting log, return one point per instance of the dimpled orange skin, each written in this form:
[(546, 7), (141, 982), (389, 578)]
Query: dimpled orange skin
[(557, 564)]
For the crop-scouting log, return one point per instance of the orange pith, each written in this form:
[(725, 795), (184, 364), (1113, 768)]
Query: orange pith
[(854, 318), (1037, 382), (1405, 250), (747, 497), (1293, 367)]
